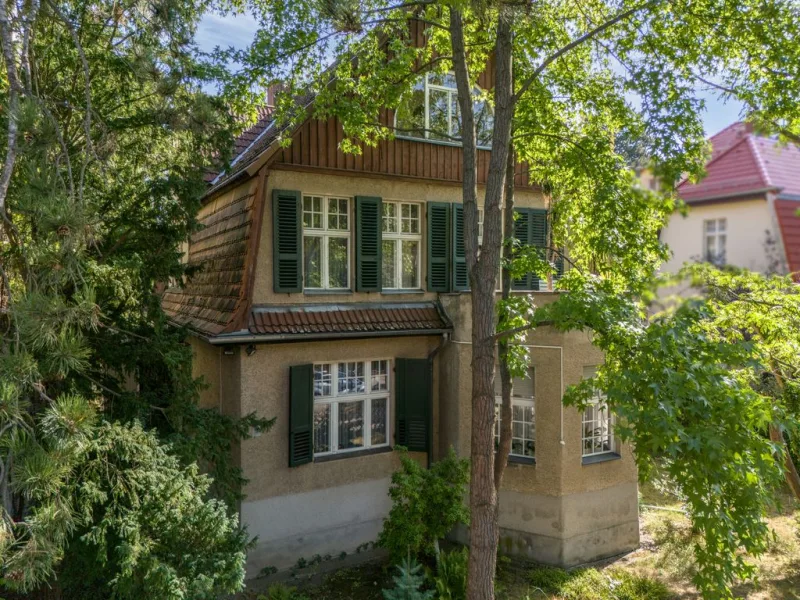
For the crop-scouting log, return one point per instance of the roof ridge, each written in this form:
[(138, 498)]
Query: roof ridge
[(759, 160)]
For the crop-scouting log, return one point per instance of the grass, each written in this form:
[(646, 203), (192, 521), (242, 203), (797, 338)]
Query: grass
[(661, 569)]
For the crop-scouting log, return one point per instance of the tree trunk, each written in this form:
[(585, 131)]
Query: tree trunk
[(790, 470), (484, 530), (506, 383)]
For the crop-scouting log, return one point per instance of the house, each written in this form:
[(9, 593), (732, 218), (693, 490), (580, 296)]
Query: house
[(743, 213), (332, 295)]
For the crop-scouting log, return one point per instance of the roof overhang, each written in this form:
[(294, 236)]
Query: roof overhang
[(728, 196)]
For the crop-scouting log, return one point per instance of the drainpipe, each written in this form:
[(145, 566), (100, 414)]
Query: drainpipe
[(442, 342)]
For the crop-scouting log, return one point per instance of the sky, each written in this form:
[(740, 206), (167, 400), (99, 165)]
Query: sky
[(238, 30)]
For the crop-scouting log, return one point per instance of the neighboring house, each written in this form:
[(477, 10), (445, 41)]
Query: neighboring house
[(743, 213), (332, 295)]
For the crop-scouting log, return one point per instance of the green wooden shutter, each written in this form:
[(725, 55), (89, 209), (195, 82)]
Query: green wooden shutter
[(530, 228), (413, 404), (287, 241), (368, 244), (301, 413), (438, 247), (538, 237), (460, 274), (522, 230)]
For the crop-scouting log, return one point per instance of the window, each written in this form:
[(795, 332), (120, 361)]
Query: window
[(523, 423), (716, 236), (401, 245), (351, 406), (598, 424), (430, 111), (326, 242)]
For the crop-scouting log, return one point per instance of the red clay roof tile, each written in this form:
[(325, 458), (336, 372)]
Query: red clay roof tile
[(352, 318)]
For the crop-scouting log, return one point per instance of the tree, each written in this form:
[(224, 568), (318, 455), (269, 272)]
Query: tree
[(564, 75), (107, 138)]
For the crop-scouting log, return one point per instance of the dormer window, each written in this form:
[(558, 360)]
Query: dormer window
[(430, 111)]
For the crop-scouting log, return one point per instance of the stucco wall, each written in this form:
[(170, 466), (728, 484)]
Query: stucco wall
[(747, 224), (346, 186)]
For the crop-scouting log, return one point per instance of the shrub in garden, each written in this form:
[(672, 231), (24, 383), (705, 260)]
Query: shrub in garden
[(451, 574), (426, 505)]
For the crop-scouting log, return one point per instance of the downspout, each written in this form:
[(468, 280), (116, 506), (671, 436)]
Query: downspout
[(433, 353)]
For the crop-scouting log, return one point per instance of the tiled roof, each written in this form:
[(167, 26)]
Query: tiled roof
[(743, 162), (786, 211), (216, 294), (310, 319)]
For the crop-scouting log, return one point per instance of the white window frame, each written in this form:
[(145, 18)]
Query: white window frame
[(326, 234), (367, 397), (720, 228), (597, 423), (522, 402), (452, 98), (398, 238)]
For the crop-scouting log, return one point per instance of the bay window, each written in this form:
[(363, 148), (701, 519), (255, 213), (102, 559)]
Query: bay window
[(326, 242), (401, 245), (351, 406), (430, 111)]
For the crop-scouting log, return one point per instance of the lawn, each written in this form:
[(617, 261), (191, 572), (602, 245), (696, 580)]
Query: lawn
[(659, 570)]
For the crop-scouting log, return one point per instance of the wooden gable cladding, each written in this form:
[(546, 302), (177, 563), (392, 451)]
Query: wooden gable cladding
[(315, 145)]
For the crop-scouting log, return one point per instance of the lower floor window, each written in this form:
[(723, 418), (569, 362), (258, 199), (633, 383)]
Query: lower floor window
[(351, 405), (523, 416), (523, 428), (598, 424)]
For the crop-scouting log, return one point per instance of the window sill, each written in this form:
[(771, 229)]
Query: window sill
[(353, 454), (600, 458), (315, 292), (412, 138), (521, 460), (399, 292)]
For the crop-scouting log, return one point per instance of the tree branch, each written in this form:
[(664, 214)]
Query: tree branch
[(577, 42)]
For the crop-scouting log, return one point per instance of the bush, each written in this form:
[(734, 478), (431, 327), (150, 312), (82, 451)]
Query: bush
[(591, 584), (451, 575), (426, 505), (280, 591)]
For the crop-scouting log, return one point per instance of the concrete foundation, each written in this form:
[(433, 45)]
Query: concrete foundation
[(329, 521)]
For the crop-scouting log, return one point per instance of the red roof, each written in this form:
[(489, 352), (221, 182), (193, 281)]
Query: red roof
[(743, 162), (789, 222), (355, 319)]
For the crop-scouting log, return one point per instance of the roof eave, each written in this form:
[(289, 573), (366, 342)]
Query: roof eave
[(729, 195), (245, 337)]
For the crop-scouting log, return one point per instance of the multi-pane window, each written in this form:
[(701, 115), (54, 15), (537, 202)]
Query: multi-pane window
[(402, 243), (715, 232), (351, 406), (326, 242), (598, 424), (431, 111), (523, 422), (480, 227)]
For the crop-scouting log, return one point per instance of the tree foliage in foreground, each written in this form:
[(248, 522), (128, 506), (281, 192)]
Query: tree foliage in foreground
[(703, 385), (564, 77), (107, 136)]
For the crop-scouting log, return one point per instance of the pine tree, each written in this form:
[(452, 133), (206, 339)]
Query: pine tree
[(407, 583), (108, 136)]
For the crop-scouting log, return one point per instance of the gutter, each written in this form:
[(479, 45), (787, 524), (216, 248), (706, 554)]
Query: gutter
[(244, 337)]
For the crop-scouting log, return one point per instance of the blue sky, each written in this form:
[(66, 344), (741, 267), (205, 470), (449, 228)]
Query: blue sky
[(238, 30)]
